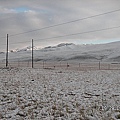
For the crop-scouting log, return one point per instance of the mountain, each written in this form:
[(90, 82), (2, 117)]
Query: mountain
[(58, 47), (108, 52), (1, 52), (24, 49)]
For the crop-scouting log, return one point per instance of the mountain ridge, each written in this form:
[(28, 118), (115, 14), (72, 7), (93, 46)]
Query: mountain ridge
[(70, 52)]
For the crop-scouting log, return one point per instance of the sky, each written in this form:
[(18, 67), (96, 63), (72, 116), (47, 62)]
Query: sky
[(21, 16)]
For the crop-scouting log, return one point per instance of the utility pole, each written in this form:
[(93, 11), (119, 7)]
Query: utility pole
[(32, 53), (99, 66), (7, 53)]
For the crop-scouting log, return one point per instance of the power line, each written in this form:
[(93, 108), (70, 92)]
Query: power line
[(80, 33), (80, 19), (73, 34)]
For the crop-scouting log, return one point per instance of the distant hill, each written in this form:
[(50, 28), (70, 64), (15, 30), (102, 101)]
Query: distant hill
[(108, 52)]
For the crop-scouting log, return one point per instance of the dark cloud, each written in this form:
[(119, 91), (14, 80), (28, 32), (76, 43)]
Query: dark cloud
[(41, 13)]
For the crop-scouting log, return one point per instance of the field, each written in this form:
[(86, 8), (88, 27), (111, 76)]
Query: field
[(59, 94)]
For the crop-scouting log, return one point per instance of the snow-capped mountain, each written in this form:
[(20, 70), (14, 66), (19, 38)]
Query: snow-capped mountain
[(59, 47), (69, 52), (24, 49)]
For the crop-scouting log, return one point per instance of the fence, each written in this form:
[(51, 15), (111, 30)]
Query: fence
[(66, 65)]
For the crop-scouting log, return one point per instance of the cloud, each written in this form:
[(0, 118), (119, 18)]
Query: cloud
[(20, 16)]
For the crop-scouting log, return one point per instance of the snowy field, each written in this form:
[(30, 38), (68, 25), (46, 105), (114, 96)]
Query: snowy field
[(49, 94)]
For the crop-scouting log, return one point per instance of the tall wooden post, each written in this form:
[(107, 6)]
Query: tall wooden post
[(43, 64), (32, 53), (7, 53), (99, 66)]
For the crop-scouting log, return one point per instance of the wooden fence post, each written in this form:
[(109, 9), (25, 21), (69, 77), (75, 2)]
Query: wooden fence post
[(99, 66)]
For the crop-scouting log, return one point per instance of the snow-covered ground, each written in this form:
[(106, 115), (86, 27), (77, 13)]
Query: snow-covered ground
[(46, 94)]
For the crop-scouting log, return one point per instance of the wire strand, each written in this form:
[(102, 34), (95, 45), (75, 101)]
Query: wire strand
[(73, 34), (63, 23)]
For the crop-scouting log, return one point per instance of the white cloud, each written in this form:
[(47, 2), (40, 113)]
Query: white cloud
[(4, 10), (39, 14)]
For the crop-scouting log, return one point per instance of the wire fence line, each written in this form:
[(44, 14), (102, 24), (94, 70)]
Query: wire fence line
[(64, 65)]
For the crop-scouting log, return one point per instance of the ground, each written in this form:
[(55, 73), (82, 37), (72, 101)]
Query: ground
[(50, 94)]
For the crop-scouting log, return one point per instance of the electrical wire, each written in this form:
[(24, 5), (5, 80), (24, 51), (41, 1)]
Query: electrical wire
[(73, 34), (80, 19)]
